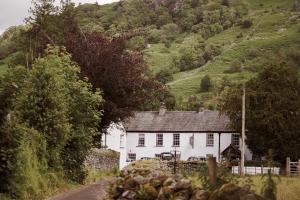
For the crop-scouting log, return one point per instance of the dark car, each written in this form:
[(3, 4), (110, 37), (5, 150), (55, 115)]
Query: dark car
[(145, 158), (197, 158)]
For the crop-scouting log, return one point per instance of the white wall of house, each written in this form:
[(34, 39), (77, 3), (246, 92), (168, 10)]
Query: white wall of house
[(185, 149), (113, 137)]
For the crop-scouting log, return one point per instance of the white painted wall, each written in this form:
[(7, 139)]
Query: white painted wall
[(125, 143), (113, 137), (186, 150)]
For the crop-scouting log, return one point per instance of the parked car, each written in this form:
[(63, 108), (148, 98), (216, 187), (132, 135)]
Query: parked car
[(197, 158), (166, 156), (146, 158)]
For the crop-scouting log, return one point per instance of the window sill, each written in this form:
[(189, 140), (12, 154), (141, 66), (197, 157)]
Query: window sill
[(209, 145), (140, 146), (175, 145), (159, 146)]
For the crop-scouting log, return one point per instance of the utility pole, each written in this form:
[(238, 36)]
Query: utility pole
[(243, 133)]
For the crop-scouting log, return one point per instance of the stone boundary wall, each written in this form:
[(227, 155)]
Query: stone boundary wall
[(103, 159), (183, 166)]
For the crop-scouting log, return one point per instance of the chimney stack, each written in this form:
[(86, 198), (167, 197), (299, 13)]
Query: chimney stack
[(200, 107), (162, 110)]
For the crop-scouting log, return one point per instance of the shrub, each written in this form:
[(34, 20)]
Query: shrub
[(225, 2), (154, 36), (236, 66), (206, 84), (211, 51), (247, 23), (253, 53), (164, 76), (137, 43)]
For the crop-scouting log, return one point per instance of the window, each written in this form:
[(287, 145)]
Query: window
[(122, 141), (159, 139), (235, 139), (210, 139), (131, 157), (141, 142), (176, 139), (158, 156)]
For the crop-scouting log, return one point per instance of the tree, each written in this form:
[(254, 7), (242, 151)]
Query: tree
[(121, 75), (49, 116), (206, 84), (272, 111)]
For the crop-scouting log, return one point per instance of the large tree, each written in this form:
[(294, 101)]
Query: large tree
[(272, 111), (121, 74)]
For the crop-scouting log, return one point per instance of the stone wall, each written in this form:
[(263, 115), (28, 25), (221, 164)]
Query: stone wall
[(140, 183), (103, 159)]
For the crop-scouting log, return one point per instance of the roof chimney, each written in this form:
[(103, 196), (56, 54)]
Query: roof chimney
[(200, 107), (162, 109)]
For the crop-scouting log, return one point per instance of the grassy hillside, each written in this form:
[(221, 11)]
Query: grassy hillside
[(274, 29), (228, 40)]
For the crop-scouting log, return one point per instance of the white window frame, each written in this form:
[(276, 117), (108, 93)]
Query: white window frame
[(141, 140), (235, 139), (131, 157), (210, 139), (159, 139), (176, 139)]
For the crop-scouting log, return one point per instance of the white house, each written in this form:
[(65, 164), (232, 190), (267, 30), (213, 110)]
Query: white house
[(149, 133)]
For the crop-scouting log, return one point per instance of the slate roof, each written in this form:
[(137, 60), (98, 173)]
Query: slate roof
[(178, 121)]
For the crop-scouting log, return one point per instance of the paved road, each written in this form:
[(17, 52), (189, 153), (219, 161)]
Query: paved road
[(95, 191)]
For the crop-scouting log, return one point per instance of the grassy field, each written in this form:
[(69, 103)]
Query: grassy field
[(287, 187)]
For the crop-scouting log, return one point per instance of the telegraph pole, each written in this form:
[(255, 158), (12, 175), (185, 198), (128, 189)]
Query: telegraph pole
[(243, 132)]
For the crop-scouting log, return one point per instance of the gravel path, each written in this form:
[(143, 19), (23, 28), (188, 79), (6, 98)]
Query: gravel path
[(96, 191)]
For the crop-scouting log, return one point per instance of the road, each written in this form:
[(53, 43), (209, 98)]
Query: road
[(96, 191)]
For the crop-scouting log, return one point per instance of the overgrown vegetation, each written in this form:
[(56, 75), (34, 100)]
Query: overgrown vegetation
[(48, 119)]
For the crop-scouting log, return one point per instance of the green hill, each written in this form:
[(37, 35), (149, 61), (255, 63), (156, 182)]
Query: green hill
[(183, 41)]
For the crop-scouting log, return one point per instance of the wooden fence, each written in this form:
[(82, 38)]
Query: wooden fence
[(292, 168)]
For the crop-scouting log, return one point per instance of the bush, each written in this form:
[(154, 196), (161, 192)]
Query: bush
[(164, 76), (247, 23), (211, 51), (154, 36), (206, 84), (235, 67), (253, 53), (137, 43)]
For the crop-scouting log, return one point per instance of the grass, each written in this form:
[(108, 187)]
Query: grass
[(287, 187), (3, 67), (272, 30), (97, 175)]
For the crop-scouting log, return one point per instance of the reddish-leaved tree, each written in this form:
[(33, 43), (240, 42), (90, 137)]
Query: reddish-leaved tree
[(120, 74)]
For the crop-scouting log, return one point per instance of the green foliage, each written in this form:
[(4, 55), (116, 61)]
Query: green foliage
[(206, 84), (223, 176), (235, 67), (164, 76), (272, 114), (48, 119), (154, 36), (269, 187), (247, 23), (137, 43)]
